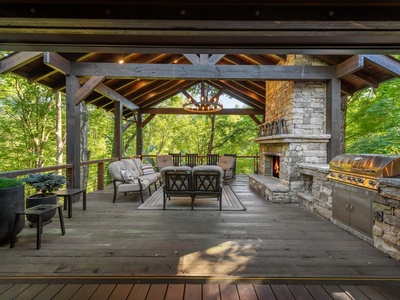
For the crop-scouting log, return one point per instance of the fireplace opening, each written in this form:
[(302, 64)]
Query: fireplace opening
[(275, 166), (272, 165)]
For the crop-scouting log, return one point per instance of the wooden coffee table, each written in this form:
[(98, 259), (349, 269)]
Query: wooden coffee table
[(67, 195), (37, 211)]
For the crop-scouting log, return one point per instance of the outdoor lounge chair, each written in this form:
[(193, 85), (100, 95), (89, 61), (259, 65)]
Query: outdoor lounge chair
[(164, 161), (207, 180), (177, 182), (212, 159), (192, 160), (227, 164)]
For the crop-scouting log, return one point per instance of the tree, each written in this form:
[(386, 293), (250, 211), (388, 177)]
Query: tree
[(28, 122), (373, 120)]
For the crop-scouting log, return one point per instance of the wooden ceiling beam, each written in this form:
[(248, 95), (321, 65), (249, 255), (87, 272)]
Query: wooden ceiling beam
[(165, 94), (57, 62), (385, 62), (111, 94), (210, 72), (255, 119), (349, 66), (367, 79), (88, 86), (18, 60), (246, 99)]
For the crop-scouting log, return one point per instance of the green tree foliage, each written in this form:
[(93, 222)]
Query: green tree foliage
[(373, 120), (101, 133), (28, 124)]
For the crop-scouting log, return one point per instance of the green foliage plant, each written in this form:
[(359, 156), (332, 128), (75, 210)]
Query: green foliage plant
[(46, 184), (6, 183)]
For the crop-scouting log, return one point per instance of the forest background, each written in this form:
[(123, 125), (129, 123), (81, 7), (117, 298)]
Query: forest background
[(32, 122)]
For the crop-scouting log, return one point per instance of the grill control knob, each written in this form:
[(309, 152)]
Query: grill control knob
[(373, 183), (341, 176)]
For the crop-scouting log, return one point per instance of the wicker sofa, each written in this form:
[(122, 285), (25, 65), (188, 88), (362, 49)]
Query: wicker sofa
[(131, 175)]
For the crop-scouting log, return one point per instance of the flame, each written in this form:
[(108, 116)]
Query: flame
[(276, 166)]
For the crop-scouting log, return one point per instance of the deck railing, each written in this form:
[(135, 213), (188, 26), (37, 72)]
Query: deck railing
[(98, 175)]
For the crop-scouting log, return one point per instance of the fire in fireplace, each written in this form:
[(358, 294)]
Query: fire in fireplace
[(275, 166), (272, 165)]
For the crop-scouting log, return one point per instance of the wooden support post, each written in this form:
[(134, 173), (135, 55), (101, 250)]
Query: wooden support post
[(333, 118), (73, 140), (100, 176), (139, 134), (117, 129)]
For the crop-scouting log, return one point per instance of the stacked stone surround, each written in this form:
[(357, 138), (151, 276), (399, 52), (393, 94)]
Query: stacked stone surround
[(317, 193), (302, 105)]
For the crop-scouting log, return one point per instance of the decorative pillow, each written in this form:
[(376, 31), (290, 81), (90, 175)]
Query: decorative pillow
[(147, 169), (127, 176)]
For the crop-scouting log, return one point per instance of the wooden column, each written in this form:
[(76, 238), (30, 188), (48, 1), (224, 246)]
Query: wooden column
[(73, 132), (333, 117), (139, 134), (117, 129)]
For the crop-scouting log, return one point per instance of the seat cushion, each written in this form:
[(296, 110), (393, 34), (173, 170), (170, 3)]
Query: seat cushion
[(132, 187), (131, 166), (138, 164), (115, 170), (178, 168), (209, 168)]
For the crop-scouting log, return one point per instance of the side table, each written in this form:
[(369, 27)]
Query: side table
[(67, 195), (37, 211)]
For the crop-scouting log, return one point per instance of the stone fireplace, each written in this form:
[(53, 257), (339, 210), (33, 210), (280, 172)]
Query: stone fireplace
[(302, 106)]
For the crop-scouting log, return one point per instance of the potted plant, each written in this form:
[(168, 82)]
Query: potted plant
[(45, 185), (12, 196)]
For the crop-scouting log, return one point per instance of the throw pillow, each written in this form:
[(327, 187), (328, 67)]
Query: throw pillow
[(147, 169), (127, 176)]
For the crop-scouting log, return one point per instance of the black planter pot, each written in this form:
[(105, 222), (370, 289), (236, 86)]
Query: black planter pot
[(39, 199), (11, 200)]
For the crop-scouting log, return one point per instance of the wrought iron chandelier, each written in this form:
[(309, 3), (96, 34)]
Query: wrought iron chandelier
[(204, 105)]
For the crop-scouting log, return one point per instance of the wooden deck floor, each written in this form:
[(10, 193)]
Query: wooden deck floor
[(113, 250)]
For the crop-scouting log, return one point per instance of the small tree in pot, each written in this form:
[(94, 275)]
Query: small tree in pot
[(12, 194), (45, 186)]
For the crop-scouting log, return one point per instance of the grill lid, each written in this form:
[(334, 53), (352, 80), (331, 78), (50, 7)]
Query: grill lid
[(368, 165)]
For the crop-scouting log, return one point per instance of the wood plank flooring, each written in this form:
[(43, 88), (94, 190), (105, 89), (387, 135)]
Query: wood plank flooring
[(270, 251), (197, 292)]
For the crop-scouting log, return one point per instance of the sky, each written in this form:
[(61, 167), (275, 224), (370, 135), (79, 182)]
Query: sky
[(229, 102)]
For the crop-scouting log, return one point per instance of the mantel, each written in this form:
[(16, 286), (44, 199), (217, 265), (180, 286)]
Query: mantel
[(291, 138)]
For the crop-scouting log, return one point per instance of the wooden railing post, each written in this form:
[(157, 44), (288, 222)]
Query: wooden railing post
[(100, 176)]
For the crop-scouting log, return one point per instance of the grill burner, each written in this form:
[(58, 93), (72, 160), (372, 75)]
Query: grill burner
[(363, 170)]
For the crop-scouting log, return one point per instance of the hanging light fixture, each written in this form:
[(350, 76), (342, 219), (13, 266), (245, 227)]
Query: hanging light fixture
[(204, 105)]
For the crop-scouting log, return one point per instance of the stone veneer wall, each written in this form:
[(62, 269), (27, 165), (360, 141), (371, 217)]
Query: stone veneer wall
[(386, 213), (317, 197), (317, 193), (302, 105)]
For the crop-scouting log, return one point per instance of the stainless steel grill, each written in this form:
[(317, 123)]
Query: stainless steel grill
[(363, 170)]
